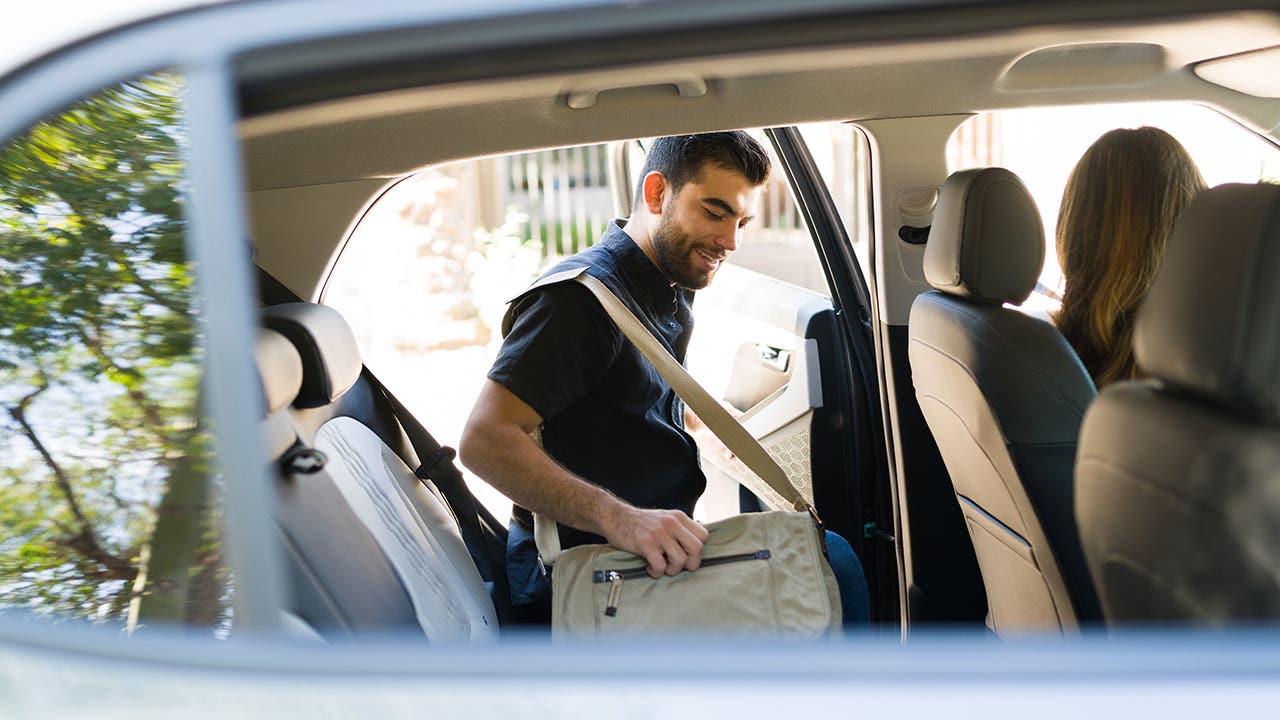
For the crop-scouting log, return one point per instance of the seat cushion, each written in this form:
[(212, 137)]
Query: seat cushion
[(416, 530)]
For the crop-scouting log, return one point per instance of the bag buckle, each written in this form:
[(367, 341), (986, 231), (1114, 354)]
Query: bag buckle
[(813, 513), (822, 529)]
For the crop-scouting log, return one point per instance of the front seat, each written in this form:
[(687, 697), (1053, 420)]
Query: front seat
[(1003, 394), (1179, 475)]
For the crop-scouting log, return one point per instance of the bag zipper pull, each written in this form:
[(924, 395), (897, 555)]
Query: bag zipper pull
[(615, 590)]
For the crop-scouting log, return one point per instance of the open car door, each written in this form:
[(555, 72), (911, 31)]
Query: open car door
[(783, 338)]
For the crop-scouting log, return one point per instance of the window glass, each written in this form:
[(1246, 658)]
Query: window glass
[(109, 511), (842, 155), (1042, 145), (777, 243), (426, 274)]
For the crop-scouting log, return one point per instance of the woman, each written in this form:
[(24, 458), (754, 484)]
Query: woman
[(1117, 214)]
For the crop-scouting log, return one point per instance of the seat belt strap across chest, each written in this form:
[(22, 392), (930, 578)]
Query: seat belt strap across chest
[(768, 480)]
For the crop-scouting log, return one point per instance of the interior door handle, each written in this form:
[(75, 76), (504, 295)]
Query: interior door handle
[(778, 358)]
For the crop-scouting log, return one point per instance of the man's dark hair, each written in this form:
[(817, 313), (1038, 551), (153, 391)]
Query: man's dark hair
[(681, 158)]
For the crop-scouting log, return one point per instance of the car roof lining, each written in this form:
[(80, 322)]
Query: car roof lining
[(397, 132)]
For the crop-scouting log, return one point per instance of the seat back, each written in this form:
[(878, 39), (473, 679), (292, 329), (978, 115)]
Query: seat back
[(1003, 394), (340, 582), (1179, 476), (409, 519)]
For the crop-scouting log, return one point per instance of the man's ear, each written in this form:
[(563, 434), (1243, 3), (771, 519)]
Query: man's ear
[(655, 191)]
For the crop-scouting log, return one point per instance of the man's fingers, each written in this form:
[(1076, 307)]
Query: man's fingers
[(676, 557), (695, 527), (657, 562), (690, 546), (668, 540), (691, 535)]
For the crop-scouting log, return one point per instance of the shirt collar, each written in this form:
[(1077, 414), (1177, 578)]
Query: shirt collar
[(646, 276)]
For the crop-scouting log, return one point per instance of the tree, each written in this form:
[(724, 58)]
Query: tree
[(104, 489)]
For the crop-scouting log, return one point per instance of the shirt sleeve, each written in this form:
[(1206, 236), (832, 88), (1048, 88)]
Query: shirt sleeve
[(559, 347)]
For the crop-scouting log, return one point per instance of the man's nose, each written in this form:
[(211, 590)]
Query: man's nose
[(730, 238)]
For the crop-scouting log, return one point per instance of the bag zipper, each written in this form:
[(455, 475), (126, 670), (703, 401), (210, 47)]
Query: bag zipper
[(616, 577)]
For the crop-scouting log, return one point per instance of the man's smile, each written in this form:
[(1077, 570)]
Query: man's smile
[(713, 260)]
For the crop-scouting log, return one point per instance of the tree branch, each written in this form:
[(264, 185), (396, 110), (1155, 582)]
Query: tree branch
[(145, 288), (149, 410), (116, 568), (19, 414), (84, 540)]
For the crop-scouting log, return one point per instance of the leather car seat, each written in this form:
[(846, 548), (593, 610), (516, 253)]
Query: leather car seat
[(340, 582), (409, 519), (1179, 475), (1003, 394)]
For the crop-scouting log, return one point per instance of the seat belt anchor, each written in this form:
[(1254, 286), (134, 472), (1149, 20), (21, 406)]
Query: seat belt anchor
[(442, 455)]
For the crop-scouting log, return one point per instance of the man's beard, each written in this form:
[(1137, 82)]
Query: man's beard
[(674, 250)]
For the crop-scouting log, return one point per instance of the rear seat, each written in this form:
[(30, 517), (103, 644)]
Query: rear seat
[(341, 583), (411, 522)]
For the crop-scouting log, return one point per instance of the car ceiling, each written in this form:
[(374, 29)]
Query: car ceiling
[(393, 133), (318, 150)]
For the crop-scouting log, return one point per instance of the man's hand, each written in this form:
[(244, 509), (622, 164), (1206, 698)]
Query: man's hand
[(668, 540), (703, 435), (497, 447)]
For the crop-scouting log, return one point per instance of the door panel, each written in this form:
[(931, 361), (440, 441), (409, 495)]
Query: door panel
[(783, 336), (755, 325), (760, 372)]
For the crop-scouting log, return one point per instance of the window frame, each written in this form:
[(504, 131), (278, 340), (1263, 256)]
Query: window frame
[(876, 675), (223, 298)]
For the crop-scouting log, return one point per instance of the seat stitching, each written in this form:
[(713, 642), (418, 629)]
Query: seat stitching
[(413, 550), (985, 454), (424, 527)]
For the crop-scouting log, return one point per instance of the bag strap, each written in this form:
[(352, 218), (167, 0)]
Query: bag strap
[(767, 479)]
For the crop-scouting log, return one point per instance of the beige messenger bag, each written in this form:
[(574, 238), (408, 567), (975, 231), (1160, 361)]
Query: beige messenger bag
[(762, 573)]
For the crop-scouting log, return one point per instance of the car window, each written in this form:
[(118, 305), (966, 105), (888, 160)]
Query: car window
[(842, 155), (777, 243), (426, 274), (1042, 145), (424, 277), (110, 512)]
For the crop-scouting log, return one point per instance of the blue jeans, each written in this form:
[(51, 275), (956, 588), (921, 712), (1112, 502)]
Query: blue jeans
[(529, 586), (855, 600)]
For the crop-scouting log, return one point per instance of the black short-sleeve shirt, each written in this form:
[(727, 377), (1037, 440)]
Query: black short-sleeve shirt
[(608, 416)]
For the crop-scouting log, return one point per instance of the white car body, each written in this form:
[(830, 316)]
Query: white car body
[(70, 670)]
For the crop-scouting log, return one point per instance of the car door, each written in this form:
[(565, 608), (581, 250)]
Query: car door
[(782, 337)]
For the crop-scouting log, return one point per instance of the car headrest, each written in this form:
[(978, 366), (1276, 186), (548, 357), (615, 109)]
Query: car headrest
[(987, 241), (280, 369), (1208, 325), (330, 357)]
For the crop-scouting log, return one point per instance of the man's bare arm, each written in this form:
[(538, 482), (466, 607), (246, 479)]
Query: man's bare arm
[(496, 445)]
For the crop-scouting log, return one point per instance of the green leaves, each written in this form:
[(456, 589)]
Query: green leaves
[(98, 356)]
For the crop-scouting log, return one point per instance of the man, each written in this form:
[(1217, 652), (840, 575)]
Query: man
[(616, 462)]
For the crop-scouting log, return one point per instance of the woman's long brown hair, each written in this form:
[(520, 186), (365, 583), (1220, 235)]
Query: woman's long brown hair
[(1117, 213)]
